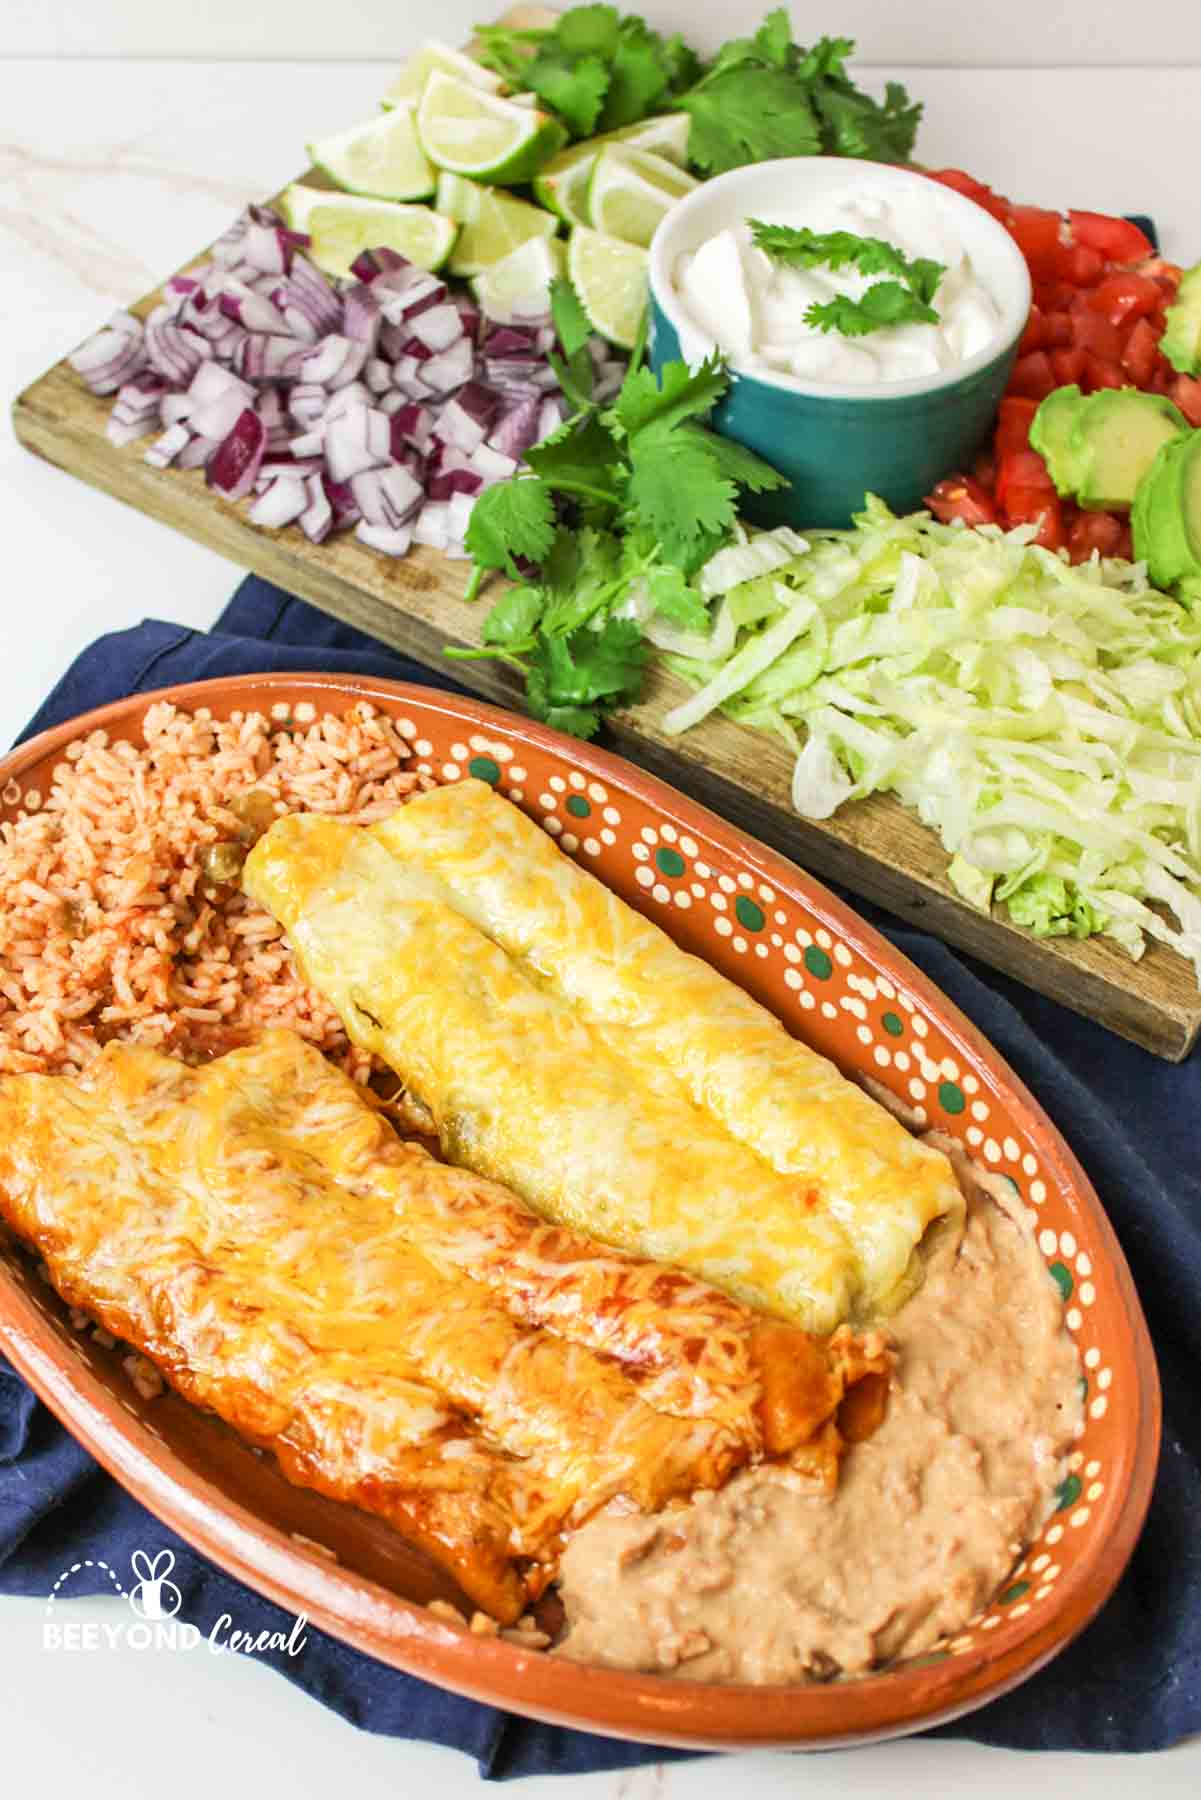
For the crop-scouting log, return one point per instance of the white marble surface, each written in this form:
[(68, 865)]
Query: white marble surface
[(110, 176)]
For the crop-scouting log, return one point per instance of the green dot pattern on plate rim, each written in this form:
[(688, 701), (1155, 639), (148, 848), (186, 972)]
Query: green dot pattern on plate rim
[(893, 1024), (1068, 1492), (669, 862), (950, 1097), (484, 769), (1013, 1593), (578, 806), (748, 914), (818, 963), (1062, 1277)]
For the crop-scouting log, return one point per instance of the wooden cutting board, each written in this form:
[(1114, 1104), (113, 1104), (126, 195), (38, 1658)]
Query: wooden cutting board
[(874, 847)]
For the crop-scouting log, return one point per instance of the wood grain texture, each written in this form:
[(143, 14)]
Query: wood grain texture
[(874, 847)]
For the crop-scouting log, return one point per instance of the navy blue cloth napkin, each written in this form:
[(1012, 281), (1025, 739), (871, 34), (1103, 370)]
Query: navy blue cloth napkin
[(1131, 1682)]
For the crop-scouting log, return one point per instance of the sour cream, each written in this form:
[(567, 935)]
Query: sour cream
[(753, 308)]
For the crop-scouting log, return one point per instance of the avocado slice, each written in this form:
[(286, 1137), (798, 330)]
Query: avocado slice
[(1114, 439), (1181, 340), (1166, 517), (1050, 435)]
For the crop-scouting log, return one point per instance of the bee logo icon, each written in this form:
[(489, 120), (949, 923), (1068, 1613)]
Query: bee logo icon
[(153, 1596)]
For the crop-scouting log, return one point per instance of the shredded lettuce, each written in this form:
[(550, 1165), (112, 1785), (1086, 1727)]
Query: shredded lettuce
[(1044, 719)]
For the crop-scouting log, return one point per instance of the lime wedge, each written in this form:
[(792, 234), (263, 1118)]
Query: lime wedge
[(410, 83), (381, 158), (666, 134), (341, 225), (473, 133), (610, 278), (631, 190), (494, 224), (519, 284), (563, 184)]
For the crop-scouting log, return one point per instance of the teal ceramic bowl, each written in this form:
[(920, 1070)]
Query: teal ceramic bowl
[(836, 443)]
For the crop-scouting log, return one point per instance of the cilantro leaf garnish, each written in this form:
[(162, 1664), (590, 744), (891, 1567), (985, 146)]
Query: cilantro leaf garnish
[(805, 249), (749, 114), (903, 300), (766, 96), (572, 325), (680, 393), (739, 464), (677, 487), (569, 677), (512, 622), (884, 303), (640, 493), (515, 518), (575, 89), (675, 599)]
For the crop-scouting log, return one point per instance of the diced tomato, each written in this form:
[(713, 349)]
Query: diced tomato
[(959, 497), (1093, 333), (984, 471), (1091, 531), (1186, 393), (1138, 358), (1058, 327), (1013, 424), (1100, 373), (1067, 366), (1021, 472), (1033, 506), (1035, 336), (1055, 296), (1032, 376), (1125, 295), (1037, 234), (966, 184), (1078, 265), (1115, 239)]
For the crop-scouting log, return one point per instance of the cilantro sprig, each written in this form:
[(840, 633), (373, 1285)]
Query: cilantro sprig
[(765, 96), (760, 97), (905, 299), (597, 69), (627, 499)]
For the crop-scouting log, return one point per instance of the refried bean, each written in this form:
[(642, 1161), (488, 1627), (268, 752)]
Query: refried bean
[(767, 1581)]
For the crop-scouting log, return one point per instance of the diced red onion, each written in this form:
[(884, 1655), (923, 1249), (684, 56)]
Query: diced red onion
[(362, 404), (450, 368), (458, 514), (353, 445), (165, 449), (317, 519), (195, 453), (508, 340), (412, 424), (361, 317), (377, 374), (343, 504), (492, 464), (388, 543), (251, 309), (517, 429), (431, 526), (550, 416), (439, 327), (283, 500), (121, 431), (235, 462), (307, 402)]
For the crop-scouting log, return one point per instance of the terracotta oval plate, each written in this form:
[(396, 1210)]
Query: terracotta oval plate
[(845, 990)]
